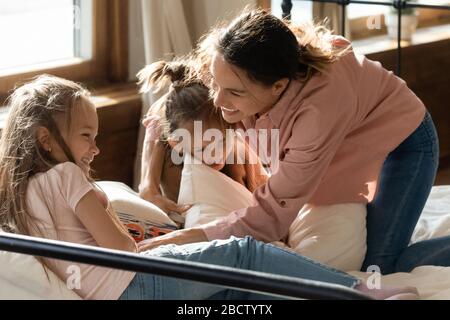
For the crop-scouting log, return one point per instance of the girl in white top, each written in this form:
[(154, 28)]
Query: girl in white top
[(46, 149)]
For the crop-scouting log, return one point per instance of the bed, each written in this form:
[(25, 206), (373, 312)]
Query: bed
[(21, 277), (432, 282), (204, 186)]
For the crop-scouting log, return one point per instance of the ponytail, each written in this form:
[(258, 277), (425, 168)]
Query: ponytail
[(186, 99), (159, 73)]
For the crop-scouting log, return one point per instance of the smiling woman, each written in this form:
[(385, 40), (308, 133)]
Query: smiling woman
[(347, 133), (238, 97)]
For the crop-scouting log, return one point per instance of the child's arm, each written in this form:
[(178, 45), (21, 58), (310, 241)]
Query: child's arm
[(104, 226), (151, 142), (151, 170), (149, 189)]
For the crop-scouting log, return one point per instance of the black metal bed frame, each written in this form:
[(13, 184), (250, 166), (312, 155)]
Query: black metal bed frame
[(233, 278), (400, 5), (218, 275)]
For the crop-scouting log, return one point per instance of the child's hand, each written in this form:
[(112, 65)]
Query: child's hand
[(152, 123), (165, 203)]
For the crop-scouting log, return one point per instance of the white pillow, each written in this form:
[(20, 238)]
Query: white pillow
[(212, 194), (334, 235), (143, 219), (23, 277)]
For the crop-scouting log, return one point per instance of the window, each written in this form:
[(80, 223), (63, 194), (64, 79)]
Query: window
[(360, 10), (43, 31), (355, 10), (80, 40), (301, 10), (358, 15)]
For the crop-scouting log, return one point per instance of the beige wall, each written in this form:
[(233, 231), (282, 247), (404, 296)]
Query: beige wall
[(202, 14), (136, 54)]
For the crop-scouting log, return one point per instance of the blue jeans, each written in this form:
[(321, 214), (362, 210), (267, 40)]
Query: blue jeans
[(244, 253), (405, 182)]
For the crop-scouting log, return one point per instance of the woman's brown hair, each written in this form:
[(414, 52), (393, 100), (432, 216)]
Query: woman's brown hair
[(268, 48)]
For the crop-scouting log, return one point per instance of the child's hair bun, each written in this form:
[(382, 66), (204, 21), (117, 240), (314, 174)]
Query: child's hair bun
[(158, 73), (176, 71)]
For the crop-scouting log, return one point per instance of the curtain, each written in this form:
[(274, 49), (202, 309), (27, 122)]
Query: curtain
[(165, 36), (333, 13)]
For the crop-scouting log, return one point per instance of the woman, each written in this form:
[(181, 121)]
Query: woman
[(349, 132)]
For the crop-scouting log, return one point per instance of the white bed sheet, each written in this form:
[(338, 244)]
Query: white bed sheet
[(432, 282), (205, 188)]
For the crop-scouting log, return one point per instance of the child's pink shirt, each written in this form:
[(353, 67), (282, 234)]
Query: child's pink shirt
[(335, 132), (55, 194)]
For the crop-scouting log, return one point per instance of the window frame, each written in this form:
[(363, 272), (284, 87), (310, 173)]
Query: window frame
[(109, 61), (426, 18), (359, 30)]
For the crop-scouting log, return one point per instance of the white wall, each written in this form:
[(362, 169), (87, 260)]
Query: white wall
[(200, 16)]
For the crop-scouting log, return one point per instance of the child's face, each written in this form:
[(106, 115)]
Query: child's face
[(81, 136), (212, 152)]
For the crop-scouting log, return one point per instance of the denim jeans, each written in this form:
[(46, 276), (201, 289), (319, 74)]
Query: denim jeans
[(405, 182), (245, 253)]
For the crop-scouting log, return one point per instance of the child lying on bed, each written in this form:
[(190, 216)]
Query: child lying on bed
[(188, 109)]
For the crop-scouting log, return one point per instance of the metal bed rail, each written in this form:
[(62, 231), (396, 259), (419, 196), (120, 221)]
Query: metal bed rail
[(233, 278), (400, 5)]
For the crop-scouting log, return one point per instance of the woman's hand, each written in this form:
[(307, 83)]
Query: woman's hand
[(176, 237)]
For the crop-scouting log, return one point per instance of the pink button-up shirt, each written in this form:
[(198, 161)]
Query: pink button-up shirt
[(335, 132)]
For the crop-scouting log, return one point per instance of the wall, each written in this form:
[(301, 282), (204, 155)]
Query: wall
[(200, 16), (136, 39), (425, 68), (119, 111)]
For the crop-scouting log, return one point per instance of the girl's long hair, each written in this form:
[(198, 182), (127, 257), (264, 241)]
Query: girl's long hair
[(48, 102)]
